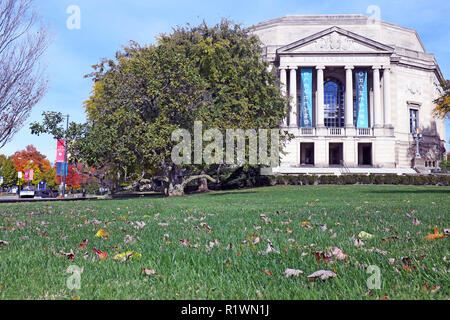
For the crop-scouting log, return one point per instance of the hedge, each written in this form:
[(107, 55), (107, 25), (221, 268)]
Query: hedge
[(391, 179)]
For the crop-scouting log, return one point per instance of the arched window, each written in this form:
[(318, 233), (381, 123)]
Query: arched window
[(333, 104)]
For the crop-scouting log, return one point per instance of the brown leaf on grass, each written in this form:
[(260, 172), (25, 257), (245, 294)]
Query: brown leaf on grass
[(358, 242), (394, 237), (306, 225), (185, 243), (321, 255), (69, 255), (338, 254), (148, 272), (416, 221), (129, 239), (140, 225), (268, 272), (206, 227), (3, 243), (292, 272), (265, 218), (322, 274), (83, 244), (151, 272), (270, 248)]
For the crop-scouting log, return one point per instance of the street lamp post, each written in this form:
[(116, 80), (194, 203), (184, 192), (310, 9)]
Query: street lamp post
[(417, 135), (65, 165)]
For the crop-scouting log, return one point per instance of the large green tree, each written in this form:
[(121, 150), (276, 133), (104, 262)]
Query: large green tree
[(8, 172), (210, 74)]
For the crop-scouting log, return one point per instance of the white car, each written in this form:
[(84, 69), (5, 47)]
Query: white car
[(27, 193)]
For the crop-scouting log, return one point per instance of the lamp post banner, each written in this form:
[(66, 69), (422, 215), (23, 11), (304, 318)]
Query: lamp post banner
[(362, 110), (60, 149), (306, 98)]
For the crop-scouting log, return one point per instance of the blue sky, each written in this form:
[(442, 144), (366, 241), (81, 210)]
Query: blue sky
[(108, 24)]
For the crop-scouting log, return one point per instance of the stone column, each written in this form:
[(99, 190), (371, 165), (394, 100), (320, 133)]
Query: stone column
[(283, 85), (349, 97), (320, 98), (387, 96), (376, 97), (293, 116)]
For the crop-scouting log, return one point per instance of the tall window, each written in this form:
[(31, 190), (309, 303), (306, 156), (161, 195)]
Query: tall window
[(333, 104), (413, 120)]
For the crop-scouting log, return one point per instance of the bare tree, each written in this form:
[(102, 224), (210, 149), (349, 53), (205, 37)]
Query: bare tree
[(23, 40)]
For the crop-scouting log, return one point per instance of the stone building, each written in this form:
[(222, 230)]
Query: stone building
[(359, 88)]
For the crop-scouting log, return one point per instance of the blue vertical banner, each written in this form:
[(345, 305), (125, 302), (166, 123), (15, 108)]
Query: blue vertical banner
[(306, 98), (61, 169), (362, 106)]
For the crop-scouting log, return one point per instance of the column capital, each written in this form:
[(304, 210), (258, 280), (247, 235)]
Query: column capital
[(282, 68), (349, 67), (387, 68), (292, 67), (320, 67), (376, 67)]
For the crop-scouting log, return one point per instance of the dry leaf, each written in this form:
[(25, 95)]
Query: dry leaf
[(435, 235), (185, 243), (338, 254), (83, 244), (322, 274), (100, 254), (270, 248), (122, 257), (292, 273), (102, 233), (70, 255)]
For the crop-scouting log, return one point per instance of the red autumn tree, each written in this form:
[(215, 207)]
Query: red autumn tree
[(73, 178)]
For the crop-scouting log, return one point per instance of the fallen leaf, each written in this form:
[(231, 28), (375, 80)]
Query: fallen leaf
[(122, 257), (3, 243), (338, 254), (435, 235), (292, 272), (102, 233), (83, 244), (70, 255), (270, 248), (185, 243), (358, 243), (365, 236), (100, 254), (322, 274), (268, 272)]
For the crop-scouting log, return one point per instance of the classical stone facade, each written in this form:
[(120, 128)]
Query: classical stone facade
[(318, 58)]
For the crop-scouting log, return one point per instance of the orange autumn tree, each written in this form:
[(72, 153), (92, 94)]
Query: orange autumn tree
[(30, 158), (22, 159)]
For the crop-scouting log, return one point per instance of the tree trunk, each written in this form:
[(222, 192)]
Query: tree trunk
[(203, 187), (177, 189)]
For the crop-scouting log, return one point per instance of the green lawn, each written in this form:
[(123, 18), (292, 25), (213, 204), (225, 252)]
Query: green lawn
[(32, 268)]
